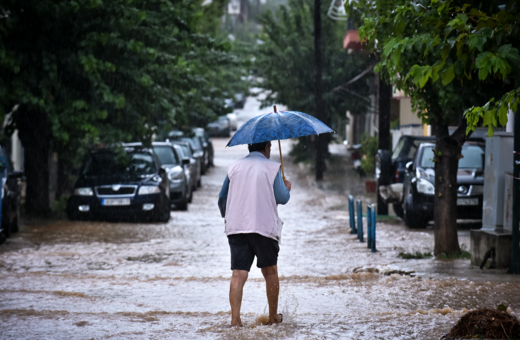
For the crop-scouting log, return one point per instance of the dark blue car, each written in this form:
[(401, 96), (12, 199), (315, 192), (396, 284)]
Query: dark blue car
[(128, 183)]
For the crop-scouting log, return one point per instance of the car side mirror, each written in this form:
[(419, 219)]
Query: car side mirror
[(185, 161), (409, 166)]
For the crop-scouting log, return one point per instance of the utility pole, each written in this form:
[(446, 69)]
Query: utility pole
[(385, 142), (321, 141)]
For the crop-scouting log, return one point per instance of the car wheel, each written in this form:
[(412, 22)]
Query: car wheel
[(2, 238), (163, 215), (398, 208), (6, 227), (190, 197), (15, 225), (411, 218), (183, 206)]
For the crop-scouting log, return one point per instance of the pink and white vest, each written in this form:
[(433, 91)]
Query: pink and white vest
[(251, 206)]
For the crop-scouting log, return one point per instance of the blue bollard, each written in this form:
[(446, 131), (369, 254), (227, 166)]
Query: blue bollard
[(373, 230), (369, 226), (352, 215), (359, 220)]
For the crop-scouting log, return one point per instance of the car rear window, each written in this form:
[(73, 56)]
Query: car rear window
[(166, 155), (193, 141), (109, 164), (398, 148)]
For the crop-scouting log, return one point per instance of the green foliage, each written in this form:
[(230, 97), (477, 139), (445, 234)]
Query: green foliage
[(450, 46), (417, 255), (395, 124), (369, 148), (111, 71), (285, 63), (59, 207)]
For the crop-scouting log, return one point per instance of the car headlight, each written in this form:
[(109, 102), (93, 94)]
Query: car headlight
[(175, 175), (148, 189), (84, 192), (425, 187), (463, 190)]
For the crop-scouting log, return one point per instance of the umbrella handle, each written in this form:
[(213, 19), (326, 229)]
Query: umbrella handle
[(281, 159)]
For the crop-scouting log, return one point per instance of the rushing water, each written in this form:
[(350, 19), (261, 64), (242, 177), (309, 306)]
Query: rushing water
[(86, 280)]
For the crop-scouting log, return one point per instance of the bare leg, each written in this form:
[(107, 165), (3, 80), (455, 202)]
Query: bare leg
[(272, 286), (238, 280)]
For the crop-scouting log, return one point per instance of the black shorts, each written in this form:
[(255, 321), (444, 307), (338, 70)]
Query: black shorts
[(244, 248)]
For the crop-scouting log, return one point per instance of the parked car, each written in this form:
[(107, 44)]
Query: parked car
[(390, 169), (240, 101), (233, 121), (197, 151), (220, 128), (206, 143), (124, 184), (180, 190), (194, 167), (186, 167), (10, 199), (11, 203), (419, 184)]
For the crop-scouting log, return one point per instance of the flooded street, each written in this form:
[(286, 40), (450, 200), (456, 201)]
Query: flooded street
[(100, 280)]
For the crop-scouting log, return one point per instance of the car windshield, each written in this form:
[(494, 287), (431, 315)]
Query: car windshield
[(472, 157), (185, 150), (166, 155), (109, 164)]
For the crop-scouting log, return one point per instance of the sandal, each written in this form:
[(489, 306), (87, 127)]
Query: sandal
[(281, 319)]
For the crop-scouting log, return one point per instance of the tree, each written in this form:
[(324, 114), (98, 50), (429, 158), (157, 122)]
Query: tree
[(92, 71), (425, 53), (285, 65)]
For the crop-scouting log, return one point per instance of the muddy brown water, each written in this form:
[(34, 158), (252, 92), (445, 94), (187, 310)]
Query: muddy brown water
[(100, 280)]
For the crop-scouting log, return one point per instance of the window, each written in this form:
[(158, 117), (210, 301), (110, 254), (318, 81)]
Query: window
[(166, 155)]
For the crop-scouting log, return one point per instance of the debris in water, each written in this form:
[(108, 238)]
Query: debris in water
[(486, 323), (262, 320)]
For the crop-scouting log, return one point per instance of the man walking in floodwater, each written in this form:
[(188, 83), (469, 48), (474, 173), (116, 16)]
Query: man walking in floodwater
[(248, 200)]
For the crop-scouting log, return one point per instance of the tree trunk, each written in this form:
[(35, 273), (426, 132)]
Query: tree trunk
[(34, 134), (244, 11), (64, 185), (321, 141), (447, 151)]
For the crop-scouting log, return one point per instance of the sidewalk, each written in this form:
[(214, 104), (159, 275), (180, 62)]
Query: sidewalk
[(393, 236)]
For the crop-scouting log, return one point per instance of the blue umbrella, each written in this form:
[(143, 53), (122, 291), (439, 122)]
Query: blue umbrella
[(278, 125)]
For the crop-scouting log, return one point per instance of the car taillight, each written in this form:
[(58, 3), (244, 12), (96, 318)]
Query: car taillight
[(396, 179)]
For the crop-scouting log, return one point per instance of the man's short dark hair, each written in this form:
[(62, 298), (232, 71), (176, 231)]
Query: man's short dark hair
[(257, 146)]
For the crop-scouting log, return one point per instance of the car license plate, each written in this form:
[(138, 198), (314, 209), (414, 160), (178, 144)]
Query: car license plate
[(115, 201), (467, 201)]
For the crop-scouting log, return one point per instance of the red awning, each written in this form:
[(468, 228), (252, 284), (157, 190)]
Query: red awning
[(351, 41)]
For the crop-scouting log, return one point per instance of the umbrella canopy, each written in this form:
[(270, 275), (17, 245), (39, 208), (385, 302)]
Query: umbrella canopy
[(278, 125)]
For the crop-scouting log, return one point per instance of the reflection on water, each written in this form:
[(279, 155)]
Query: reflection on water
[(82, 280)]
